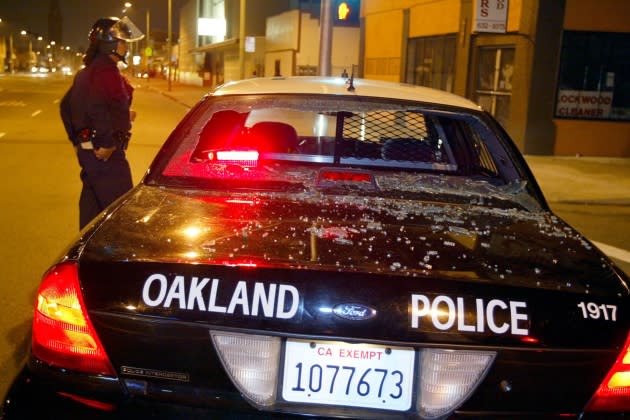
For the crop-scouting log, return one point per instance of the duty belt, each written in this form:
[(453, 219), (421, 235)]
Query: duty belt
[(85, 137)]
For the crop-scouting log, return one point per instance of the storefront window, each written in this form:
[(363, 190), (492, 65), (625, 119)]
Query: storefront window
[(431, 62), (594, 78), (494, 81)]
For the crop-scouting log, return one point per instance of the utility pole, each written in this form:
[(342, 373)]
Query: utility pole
[(241, 40), (148, 26), (148, 45), (11, 53), (170, 45), (325, 38)]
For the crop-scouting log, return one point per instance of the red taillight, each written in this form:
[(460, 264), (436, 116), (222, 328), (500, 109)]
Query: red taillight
[(63, 335), (613, 395)]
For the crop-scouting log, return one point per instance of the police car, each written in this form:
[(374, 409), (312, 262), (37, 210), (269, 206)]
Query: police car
[(330, 247)]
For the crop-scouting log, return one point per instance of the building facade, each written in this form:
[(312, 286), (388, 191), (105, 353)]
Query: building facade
[(555, 75), (212, 55), (278, 38)]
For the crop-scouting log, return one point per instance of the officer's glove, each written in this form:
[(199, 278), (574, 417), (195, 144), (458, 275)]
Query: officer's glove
[(103, 153)]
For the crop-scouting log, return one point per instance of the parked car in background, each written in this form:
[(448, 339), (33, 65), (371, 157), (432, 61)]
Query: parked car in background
[(330, 247)]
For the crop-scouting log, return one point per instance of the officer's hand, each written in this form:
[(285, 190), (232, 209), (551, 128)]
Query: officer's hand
[(132, 115), (103, 153)]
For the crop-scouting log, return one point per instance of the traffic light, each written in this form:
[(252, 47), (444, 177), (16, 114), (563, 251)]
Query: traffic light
[(346, 12)]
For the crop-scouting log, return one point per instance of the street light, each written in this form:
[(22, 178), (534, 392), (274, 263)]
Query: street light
[(29, 62), (128, 6)]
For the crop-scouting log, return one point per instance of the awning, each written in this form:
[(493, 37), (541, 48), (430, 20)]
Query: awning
[(228, 43)]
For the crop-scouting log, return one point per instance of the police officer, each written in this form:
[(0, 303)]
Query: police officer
[(96, 113)]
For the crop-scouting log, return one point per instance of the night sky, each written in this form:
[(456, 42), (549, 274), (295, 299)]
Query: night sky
[(79, 15)]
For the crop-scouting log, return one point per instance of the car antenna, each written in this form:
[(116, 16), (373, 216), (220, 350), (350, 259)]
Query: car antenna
[(350, 82)]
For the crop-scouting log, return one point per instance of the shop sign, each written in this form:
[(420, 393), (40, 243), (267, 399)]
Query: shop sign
[(491, 16), (584, 104)]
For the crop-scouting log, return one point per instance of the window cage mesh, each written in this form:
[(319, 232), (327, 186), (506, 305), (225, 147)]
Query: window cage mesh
[(390, 135)]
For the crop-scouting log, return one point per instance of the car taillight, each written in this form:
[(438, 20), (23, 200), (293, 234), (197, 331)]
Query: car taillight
[(613, 395), (63, 335)]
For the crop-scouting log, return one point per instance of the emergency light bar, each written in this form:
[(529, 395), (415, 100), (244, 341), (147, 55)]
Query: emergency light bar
[(245, 158)]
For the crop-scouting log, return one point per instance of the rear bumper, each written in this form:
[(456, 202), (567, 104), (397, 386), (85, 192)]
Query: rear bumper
[(45, 393), (58, 395)]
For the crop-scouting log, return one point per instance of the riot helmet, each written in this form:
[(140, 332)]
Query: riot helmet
[(106, 32)]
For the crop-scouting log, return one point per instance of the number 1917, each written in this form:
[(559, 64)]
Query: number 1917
[(592, 310)]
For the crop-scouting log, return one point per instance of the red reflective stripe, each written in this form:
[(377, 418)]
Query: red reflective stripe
[(100, 405)]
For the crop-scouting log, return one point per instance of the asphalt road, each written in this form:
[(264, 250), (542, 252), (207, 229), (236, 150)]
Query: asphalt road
[(40, 188)]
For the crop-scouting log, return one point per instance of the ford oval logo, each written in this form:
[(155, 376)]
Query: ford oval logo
[(354, 311)]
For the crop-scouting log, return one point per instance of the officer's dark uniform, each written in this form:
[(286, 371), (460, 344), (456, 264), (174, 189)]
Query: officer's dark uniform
[(95, 112)]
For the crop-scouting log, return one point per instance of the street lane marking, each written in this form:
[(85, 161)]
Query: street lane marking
[(13, 103), (611, 251), (36, 113)]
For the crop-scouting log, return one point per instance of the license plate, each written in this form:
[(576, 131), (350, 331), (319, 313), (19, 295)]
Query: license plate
[(356, 375)]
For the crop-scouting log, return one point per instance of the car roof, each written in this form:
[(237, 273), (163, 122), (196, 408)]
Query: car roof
[(339, 86)]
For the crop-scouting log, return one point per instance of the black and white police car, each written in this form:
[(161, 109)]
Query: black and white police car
[(337, 248)]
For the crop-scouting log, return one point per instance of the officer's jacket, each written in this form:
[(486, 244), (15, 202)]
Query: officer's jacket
[(98, 100)]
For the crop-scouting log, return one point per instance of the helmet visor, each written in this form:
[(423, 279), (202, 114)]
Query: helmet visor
[(126, 30)]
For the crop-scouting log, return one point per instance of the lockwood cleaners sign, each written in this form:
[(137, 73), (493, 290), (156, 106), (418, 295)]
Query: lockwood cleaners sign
[(584, 104)]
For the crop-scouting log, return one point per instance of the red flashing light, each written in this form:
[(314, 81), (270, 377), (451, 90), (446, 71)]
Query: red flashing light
[(237, 155), (613, 395), (63, 334), (244, 158)]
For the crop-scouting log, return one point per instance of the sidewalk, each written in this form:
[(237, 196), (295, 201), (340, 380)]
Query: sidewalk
[(569, 179), (186, 94)]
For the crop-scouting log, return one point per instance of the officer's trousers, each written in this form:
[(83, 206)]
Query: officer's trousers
[(103, 182)]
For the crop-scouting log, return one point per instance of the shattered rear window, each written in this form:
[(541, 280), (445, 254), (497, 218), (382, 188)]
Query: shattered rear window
[(301, 142)]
